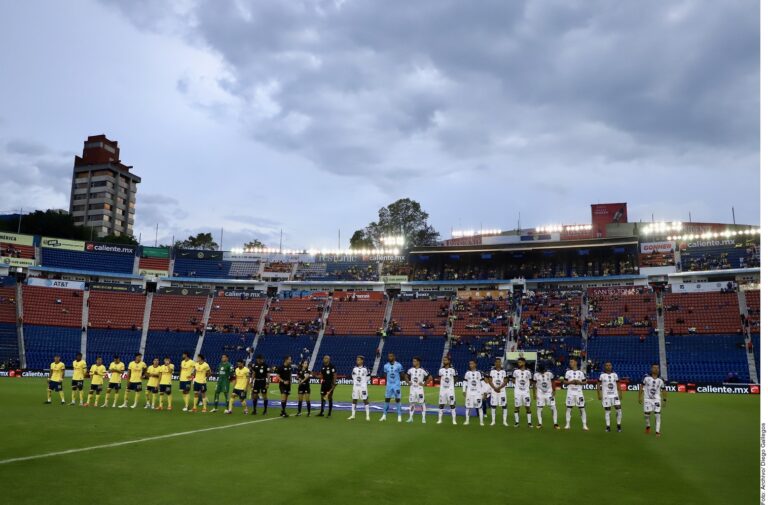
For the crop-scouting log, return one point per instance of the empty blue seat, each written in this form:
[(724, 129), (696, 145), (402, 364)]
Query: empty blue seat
[(42, 343), (234, 345), (706, 358), (430, 350), (97, 261), (106, 343), (344, 350), (630, 357), (276, 347), (171, 344), (9, 343)]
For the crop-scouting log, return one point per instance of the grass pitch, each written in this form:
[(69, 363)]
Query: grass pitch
[(708, 454)]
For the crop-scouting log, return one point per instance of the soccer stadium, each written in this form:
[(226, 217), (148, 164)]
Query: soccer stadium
[(356, 252)]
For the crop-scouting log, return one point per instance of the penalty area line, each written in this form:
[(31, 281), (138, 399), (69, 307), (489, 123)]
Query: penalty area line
[(129, 442)]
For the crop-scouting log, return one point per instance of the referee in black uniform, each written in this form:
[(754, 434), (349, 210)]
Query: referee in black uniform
[(260, 376), (284, 374), (327, 385)]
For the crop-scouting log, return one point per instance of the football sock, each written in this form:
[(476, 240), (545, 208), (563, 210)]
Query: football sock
[(528, 417), (618, 417), (440, 414), (493, 415), (647, 420), (568, 416), (554, 413), (299, 406), (517, 418), (322, 405), (453, 414), (399, 409), (504, 414), (282, 406), (583, 416), (538, 414), (423, 412), (309, 407), (231, 403), (367, 410), (658, 423), (330, 406), (608, 418)]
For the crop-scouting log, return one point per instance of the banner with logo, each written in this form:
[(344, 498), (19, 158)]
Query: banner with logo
[(606, 213), (698, 287), (15, 238), (126, 249), (55, 283), (148, 272), (195, 254), (119, 288), (394, 279), (696, 244), (424, 295), (625, 291), (155, 252), (480, 294), (359, 295), (233, 293), (183, 291), (16, 262), (62, 243), (656, 247)]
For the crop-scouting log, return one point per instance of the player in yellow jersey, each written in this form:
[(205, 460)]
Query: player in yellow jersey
[(185, 378), (166, 376), (137, 369), (98, 371), (242, 375), (79, 370), (153, 372), (116, 369), (202, 372), (55, 379)]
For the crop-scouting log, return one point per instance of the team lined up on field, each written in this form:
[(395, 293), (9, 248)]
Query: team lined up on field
[(479, 389)]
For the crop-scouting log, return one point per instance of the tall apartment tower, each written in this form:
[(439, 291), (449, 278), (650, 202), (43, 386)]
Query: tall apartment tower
[(103, 189)]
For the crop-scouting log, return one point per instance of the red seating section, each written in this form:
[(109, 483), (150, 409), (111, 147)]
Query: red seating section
[(236, 314), (41, 307), (303, 309), (551, 313), (476, 318), (177, 312), (411, 316), (17, 251), (753, 304), (279, 267), (360, 317), (638, 311), (154, 263), (8, 305), (115, 310), (707, 312)]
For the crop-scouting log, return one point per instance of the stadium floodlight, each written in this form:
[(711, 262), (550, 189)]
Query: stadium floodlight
[(393, 240)]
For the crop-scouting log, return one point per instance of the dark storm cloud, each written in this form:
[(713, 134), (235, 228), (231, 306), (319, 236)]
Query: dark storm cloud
[(397, 90)]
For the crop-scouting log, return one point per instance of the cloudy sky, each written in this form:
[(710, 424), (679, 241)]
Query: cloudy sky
[(309, 115)]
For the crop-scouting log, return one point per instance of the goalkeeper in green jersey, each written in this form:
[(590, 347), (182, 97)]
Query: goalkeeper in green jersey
[(222, 385)]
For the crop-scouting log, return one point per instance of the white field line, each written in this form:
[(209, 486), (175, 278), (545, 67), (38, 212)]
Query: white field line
[(129, 442)]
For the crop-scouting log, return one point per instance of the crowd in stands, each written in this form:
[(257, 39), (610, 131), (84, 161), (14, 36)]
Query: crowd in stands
[(486, 316), (551, 313)]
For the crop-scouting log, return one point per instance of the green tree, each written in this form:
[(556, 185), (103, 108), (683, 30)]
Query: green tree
[(253, 244), (122, 239), (359, 240), (51, 223), (200, 241), (404, 217)]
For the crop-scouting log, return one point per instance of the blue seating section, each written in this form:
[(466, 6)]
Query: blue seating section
[(276, 347), (107, 343), (561, 351), (342, 271), (706, 358), (171, 344), (9, 343), (405, 348), (232, 344), (211, 269), (41, 343), (344, 350), (100, 262), (713, 258), (630, 357), (756, 351), (462, 353)]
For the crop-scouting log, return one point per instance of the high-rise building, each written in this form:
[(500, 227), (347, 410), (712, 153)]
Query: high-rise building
[(103, 189)]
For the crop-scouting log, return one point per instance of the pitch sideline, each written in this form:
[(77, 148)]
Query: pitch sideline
[(129, 442)]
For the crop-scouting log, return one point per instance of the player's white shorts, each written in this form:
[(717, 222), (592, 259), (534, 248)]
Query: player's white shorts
[(611, 401), (473, 400), (416, 394), (487, 389), (522, 400), (359, 393), (574, 400), (499, 399), (447, 397), (652, 406), (544, 401)]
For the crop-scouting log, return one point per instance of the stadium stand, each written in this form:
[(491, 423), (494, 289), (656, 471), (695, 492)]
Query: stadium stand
[(279, 267), (108, 342), (209, 269), (339, 271), (481, 317), (115, 310), (235, 314), (154, 264), (276, 347), (702, 358), (95, 261), (344, 350), (419, 317), (42, 343), (177, 312), (430, 350), (234, 345), (719, 257), (555, 350), (170, 343), (52, 306), (711, 312), (482, 349), (753, 310), (9, 346), (359, 317), (622, 314), (8, 304), (244, 269), (631, 356), (294, 317), (17, 250), (551, 313)]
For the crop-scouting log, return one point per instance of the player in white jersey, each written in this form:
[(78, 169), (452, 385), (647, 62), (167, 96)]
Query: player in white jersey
[(447, 376), (545, 393), (521, 378), (473, 391), (417, 377), (575, 380), (609, 392), (497, 380), (360, 376), (652, 395)]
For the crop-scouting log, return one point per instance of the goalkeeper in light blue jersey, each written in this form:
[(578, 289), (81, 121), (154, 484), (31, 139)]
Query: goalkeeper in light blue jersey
[(394, 373)]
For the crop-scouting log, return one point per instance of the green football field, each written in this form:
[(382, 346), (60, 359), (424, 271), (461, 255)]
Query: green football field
[(708, 454)]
